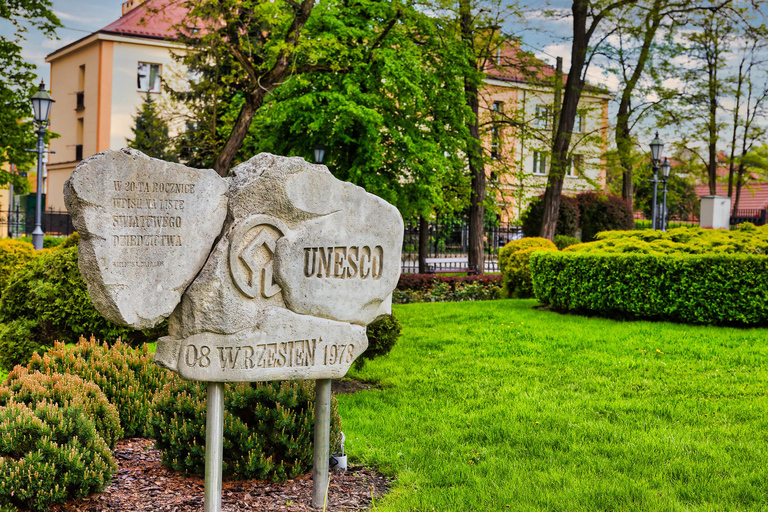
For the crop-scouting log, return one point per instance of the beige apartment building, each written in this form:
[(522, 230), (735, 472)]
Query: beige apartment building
[(99, 82)]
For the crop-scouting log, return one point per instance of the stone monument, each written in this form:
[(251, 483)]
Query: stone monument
[(269, 274)]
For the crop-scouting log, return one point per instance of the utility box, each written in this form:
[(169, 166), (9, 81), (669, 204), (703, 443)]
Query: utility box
[(715, 212)]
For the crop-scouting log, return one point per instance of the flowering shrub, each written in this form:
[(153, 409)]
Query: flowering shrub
[(435, 288)]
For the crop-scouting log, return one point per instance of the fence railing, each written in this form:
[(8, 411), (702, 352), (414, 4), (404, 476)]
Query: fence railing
[(450, 239), (755, 216), (18, 222), (758, 217)]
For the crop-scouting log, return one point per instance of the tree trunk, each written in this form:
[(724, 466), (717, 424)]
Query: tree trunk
[(239, 131), (474, 147), (739, 179), (423, 244), (571, 96)]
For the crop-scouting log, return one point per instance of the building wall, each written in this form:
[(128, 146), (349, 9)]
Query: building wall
[(511, 177)]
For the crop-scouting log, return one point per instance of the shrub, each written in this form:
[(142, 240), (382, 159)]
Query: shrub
[(436, 288), (520, 245), (702, 288), (382, 336), (680, 241), (49, 242), (71, 241), (21, 386), (268, 427), (127, 376), (567, 218), (513, 263), (600, 212), (562, 241), (49, 293), (13, 255), (49, 453), (18, 342)]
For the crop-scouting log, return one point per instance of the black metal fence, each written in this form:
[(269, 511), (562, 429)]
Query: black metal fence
[(758, 217), (18, 222), (450, 239)]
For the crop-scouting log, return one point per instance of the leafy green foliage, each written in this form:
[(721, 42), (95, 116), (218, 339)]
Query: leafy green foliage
[(682, 201), (18, 342), (150, 132), (48, 241), (437, 288), (598, 212), (23, 386), (746, 240), (127, 376), (562, 241), (382, 336), (50, 448), (268, 427), (567, 219), (513, 263), (13, 254), (17, 85), (696, 288)]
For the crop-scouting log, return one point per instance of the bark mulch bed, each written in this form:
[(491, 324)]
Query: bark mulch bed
[(142, 484)]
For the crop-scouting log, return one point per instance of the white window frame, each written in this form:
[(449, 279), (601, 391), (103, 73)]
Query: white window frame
[(580, 123), (539, 161), (144, 73), (576, 161), (542, 117)]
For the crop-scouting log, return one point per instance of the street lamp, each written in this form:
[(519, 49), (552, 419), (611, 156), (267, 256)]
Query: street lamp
[(665, 168), (656, 148), (319, 153), (41, 108)]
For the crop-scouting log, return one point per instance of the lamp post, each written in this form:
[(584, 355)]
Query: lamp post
[(41, 108), (319, 151), (656, 148), (665, 168)]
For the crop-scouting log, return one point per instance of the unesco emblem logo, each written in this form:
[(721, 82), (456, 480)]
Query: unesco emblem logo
[(252, 255)]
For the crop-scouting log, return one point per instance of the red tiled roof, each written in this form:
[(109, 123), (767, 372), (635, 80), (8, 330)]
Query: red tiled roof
[(140, 22), (753, 195)]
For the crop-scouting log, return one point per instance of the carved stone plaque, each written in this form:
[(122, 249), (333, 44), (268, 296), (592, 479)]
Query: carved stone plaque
[(146, 229), (302, 263)]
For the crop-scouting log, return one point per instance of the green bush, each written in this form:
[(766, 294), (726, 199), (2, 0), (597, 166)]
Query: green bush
[(71, 241), (13, 255), (49, 453), (436, 288), (682, 240), (513, 263), (29, 388), (599, 212), (382, 336), (50, 295), (49, 242), (562, 241), (127, 376), (567, 218), (18, 342), (700, 288), (268, 428)]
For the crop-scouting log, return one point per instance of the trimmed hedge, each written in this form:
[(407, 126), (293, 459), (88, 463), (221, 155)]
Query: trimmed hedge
[(513, 262), (436, 288), (13, 255), (704, 289)]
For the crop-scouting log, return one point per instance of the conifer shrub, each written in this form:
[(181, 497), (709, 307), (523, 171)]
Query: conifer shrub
[(50, 296), (30, 388), (49, 453), (13, 255), (513, 263), (600, 212), (382, 337), (567, 217), (268, 427), (127, 376)]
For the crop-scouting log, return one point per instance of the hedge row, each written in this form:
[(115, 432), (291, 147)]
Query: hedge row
[(705, 289), (435, 288)]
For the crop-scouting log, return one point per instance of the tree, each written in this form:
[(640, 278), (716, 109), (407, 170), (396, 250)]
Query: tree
[(587, 17), (17, 85), (151, 132)]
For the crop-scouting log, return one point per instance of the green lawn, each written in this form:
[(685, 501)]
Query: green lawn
[(497, 406)]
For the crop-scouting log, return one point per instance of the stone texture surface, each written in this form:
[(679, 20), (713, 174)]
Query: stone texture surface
[(147, 227)]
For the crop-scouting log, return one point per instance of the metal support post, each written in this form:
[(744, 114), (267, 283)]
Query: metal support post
[(655, 208), (214, 446), (322, 451), (37, 234), (664, 208)]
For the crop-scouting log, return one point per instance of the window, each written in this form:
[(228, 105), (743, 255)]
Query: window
[(579, 128), (539, 163), (498, 107), (542, 117), (148, 77), (575, 164), (495, 143)]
